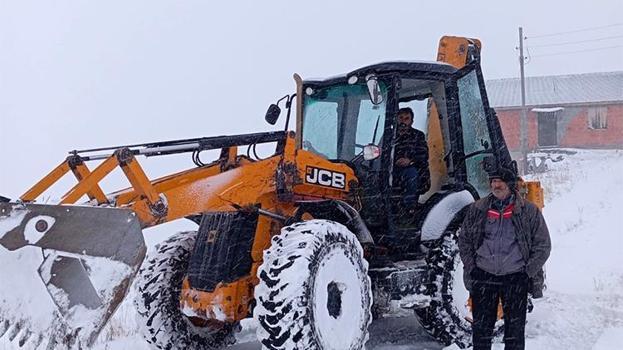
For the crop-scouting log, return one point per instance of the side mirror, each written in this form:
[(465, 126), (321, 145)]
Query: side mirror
[(374, 90), (371, 152), (272, 114)]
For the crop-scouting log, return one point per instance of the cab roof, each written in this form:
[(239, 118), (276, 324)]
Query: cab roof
[(402, 67)]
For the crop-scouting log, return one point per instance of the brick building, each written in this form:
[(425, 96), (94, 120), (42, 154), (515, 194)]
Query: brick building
[(580, 110)]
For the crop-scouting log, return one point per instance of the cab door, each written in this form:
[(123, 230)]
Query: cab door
[(481, 143)]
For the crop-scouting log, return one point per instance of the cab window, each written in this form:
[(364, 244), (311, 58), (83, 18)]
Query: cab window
[(339, 120), (476, 138)]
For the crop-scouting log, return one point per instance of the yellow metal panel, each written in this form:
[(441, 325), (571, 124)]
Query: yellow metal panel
[(200, 193), (453, 50), (93, 179), (45, 183), (167, 183), (305, 159), (532, 192), (436, 152), (81, 172), (229, 302), (139, 180)]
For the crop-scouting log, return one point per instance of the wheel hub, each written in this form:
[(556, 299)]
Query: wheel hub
[(337, 300), (334, 299)]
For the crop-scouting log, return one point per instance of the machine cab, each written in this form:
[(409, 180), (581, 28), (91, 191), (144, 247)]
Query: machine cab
[(341, 117)]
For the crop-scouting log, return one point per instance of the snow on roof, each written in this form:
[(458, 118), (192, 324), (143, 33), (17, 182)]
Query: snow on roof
[(546, 110), (557, 90)]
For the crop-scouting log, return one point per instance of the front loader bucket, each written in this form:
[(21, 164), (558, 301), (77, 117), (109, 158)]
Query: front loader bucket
[(90, 257)]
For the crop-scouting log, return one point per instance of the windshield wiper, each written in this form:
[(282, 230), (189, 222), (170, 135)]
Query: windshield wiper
[(376, 128)]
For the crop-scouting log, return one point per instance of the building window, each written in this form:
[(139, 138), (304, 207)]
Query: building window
[(597, 117)]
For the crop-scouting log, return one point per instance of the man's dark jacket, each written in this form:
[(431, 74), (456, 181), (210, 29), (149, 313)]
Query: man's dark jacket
[(531, 233), (411, 144)]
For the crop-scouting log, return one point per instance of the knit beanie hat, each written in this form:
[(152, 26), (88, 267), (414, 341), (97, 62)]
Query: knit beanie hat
[(505, 175)]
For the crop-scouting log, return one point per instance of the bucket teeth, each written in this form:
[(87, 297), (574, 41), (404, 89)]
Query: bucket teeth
[(4, 326), (24, 337), (35, 341), (14, 331), (19, 334)]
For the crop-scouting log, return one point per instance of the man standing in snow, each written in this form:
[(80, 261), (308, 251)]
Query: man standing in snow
[(504, 243)]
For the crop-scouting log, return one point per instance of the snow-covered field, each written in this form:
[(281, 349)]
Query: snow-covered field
[(582, 308)]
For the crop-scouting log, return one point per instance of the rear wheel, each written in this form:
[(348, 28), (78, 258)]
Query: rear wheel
[(159, 285), (314, 290), (446, 317)]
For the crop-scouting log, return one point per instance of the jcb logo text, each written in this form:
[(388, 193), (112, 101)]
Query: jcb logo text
[(324, 177)]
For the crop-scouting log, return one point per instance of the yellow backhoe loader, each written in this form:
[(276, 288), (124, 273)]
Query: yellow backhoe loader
[(313, 241)]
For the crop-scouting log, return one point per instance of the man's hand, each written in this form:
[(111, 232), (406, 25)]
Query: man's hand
[(403, 162)]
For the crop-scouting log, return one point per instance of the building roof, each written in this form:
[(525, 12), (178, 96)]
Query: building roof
[(557, 90)]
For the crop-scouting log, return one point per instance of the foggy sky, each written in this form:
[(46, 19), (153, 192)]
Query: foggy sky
[(78, 74)]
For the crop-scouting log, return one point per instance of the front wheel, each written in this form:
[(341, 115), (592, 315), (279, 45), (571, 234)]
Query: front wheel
[(314, 290)]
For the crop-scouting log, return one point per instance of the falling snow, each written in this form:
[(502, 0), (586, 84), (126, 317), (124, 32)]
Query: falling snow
[(582, 307)]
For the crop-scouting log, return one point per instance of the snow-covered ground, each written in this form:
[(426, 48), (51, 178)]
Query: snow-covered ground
[(582, 308)]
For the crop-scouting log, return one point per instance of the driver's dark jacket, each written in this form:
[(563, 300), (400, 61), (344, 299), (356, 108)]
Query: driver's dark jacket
[(412, 144)]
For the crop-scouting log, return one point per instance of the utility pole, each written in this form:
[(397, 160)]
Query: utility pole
[(524, 118)]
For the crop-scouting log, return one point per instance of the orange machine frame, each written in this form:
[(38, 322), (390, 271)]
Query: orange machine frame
[(232, 182)]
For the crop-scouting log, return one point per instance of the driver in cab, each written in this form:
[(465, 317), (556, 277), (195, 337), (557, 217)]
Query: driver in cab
[(411, 159)]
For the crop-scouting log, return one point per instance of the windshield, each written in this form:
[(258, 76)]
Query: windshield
[(338, 121)]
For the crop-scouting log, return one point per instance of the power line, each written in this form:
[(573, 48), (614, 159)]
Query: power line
[(570, 52), (580, 41), (529, 57), (575, 31)]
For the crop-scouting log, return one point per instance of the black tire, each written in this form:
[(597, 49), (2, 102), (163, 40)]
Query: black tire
[(293, 310), (443, 319), (159, 283)]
